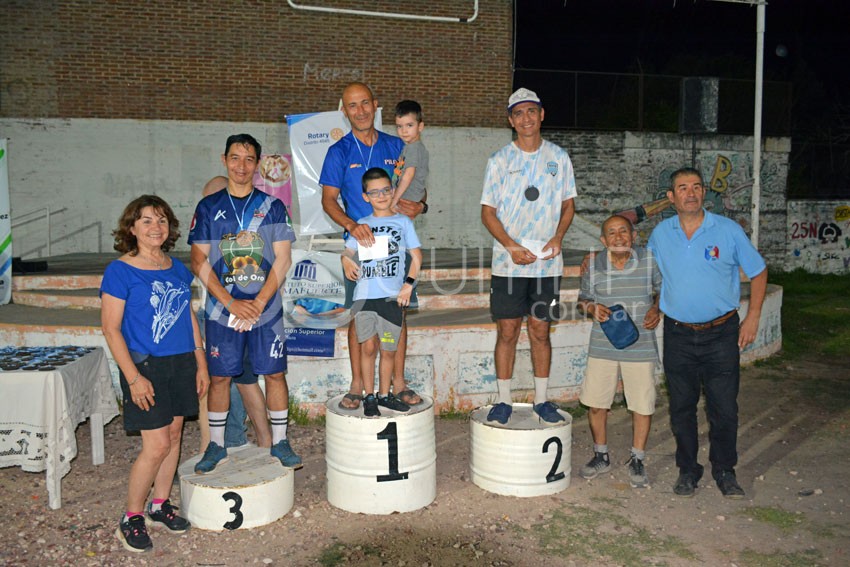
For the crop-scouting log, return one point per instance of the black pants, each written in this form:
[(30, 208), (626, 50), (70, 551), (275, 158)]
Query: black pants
[(708, 359)]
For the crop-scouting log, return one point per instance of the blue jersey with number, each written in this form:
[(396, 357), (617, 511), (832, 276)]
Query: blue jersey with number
[(241, 233)]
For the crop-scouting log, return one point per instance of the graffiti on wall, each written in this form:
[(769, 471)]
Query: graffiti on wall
[(725, 194), (819, 236)]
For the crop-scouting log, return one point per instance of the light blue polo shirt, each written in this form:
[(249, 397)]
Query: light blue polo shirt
[(700, 276)]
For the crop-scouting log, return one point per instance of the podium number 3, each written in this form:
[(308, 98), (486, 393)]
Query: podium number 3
[(235, 510), (390, 433), (552, 476)]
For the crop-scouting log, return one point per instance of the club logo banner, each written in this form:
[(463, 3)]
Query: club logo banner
[(310, 136)]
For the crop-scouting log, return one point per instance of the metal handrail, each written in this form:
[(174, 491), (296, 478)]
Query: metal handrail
[(18, 222)]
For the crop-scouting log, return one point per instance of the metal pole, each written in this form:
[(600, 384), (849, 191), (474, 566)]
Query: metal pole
[(756, 198)]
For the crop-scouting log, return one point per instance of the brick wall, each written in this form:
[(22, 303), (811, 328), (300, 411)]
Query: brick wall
[(249, 61)]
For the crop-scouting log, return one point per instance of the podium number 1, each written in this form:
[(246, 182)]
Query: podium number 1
[(390, 433), (552, 476)]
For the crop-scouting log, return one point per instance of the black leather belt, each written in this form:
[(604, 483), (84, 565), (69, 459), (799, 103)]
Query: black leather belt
[(703, 326)]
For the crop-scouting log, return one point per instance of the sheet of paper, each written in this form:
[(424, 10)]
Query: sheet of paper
[(380, 249), (231, 322), (536, 247)]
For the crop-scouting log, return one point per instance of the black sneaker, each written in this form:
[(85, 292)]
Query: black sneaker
[(728, 485), (637, 473), (166, 516), (599, 464), (393, 403), (370, 406), (133, 534), (686, 484)]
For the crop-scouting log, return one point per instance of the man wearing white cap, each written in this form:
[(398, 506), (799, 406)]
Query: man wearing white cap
[(527, 205)]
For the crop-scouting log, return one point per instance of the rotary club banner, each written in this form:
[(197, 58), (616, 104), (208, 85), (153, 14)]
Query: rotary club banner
[(310, 136)]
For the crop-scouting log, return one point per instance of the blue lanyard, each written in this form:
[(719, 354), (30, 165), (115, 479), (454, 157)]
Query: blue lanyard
[(240, 218), (372, 147)]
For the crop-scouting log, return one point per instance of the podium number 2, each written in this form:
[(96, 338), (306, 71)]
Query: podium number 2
[(552, 476), (235, 510), (390, 433)]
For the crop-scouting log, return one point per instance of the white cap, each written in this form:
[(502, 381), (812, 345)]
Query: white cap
[(523, 95)]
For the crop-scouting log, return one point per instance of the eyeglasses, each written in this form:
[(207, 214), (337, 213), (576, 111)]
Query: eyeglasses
[(377, 192)]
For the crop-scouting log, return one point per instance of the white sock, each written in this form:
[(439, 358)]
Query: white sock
[(504, 391), (279, 420), (541, 384), (217, 421)]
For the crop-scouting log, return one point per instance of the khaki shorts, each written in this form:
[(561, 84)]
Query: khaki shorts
[(600, 384)]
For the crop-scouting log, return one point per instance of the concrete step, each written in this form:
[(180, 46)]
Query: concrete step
[(468, 293)]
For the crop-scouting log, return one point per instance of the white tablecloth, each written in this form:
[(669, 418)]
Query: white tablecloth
[(40, 411)]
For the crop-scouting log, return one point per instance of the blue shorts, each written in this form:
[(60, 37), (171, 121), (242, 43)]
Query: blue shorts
[(266, 346)]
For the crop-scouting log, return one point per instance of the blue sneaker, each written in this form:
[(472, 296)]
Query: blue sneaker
[(283, 451), (214, 455), (548, 412), (501, 412)]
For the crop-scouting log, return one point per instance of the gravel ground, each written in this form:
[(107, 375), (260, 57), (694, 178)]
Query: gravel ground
[(793, 453)]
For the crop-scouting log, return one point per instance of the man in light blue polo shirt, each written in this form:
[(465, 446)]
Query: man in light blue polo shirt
[(699, 254)]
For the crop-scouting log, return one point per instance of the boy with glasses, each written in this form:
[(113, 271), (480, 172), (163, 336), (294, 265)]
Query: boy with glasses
[(382, 291)]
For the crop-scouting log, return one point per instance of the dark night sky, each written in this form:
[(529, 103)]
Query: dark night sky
[(807, 44), (613, 35)]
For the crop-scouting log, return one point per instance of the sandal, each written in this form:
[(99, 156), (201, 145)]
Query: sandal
[(353, 399), (409, 397)]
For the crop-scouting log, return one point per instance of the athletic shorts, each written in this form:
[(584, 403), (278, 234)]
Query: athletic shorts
[(266, 346), (513, 298), (174, 387), (600, 384), (379, 317), (350, 285)]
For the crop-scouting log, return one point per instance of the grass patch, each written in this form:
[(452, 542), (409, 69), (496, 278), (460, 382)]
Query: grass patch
[(594, 536), (300, 416), (576, 410), (455, 414), (342, 554), (815, 314), (773, 516), (808, 558)]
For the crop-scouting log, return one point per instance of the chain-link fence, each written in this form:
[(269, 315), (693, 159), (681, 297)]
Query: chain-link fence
[(621, 101)]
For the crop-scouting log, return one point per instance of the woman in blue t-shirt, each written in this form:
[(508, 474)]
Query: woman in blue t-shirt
[(148, 322)]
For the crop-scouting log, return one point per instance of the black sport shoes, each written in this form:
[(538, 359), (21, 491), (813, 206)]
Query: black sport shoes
[(166, 515), (728, 485), (133, 534), (687, 483), (370, 406), (393, 403)]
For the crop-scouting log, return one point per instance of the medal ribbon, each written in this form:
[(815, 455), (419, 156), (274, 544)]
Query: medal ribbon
[(240, 218)]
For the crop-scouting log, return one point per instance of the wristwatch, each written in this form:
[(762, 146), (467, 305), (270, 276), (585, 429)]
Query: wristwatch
[(409, 280), (424, 207)]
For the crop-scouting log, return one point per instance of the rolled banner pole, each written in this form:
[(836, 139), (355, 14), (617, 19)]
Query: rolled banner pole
[(5, 228)]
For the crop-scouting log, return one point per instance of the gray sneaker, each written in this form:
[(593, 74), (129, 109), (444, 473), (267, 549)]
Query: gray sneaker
[(637, 473), (597, 465)]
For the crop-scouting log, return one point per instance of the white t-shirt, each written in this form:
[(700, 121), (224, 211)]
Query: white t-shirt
[(510, 171)]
